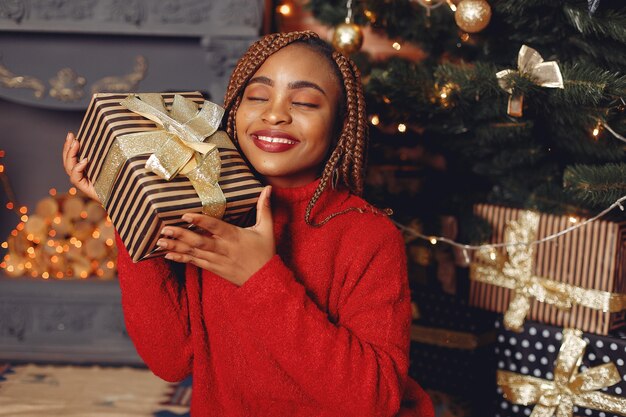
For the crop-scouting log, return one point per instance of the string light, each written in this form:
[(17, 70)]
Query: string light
[(284, 9), (401, 128), (464, 247), (596, 130), (396, 46), (374, 120), (371, 16)]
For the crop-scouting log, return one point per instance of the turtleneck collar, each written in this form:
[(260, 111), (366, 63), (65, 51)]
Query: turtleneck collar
[(295, 194)]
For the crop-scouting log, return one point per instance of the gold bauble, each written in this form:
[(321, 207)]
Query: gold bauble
[(472, 15), (347, 38)]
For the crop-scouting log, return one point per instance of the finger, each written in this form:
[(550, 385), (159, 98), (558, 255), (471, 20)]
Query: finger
[(77, 173), (212, 225), (71, 158), (205, 260), (66, 144), (178, 237), (264, 221)]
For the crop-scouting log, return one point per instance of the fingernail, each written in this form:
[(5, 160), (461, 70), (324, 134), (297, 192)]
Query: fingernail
[(169, 256), (161, 243), (166, 232), (187, 218), (69, 135)]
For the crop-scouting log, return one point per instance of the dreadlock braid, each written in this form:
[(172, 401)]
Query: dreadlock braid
[(346, 163)]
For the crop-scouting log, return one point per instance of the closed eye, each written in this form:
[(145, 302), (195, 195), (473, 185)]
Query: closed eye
[(256, 98), (305, 104)]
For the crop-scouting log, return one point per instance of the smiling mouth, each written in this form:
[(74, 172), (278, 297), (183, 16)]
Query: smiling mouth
[(273, 144), (270, 139)]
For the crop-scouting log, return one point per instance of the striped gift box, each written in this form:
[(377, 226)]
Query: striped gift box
[(590, 257), (141, 203)]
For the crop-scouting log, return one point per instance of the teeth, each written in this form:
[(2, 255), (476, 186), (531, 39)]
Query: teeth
[(270, 139)]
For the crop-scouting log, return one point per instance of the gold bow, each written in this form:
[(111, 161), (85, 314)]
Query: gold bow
[(177, 147), (569, 387), (530, 65), (516, 273)]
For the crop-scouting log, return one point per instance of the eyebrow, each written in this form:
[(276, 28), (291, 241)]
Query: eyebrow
[(294, 85)]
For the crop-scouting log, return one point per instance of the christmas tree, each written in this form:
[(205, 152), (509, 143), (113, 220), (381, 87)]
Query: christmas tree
[(516, 105), (506, 138)]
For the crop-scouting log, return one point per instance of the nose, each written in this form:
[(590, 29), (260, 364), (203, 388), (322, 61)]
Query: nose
[(277, 112)]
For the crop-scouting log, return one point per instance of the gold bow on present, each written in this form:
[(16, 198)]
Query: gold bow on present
[(569, 387), (530, 65), (516, 273), (176, 147)]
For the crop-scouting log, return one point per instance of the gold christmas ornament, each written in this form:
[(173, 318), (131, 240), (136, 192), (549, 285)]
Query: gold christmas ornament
[(347, 38), (472, 15)]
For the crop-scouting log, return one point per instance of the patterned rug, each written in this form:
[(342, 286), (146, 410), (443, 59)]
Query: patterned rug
[(89, 391)]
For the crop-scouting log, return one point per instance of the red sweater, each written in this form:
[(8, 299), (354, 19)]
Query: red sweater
[(321, 330)]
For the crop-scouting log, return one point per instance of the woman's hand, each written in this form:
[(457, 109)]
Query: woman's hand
[(232, 252), (76, 170)]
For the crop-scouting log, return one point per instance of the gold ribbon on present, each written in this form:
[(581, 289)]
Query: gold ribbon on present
[(177, 147), (516, 273), (569, 387), (532, 66)]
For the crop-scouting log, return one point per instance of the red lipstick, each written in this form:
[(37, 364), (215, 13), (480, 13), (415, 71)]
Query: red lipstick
[(273, 140)]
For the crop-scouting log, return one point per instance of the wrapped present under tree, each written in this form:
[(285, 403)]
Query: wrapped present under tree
[(546, 371), (576, 280)]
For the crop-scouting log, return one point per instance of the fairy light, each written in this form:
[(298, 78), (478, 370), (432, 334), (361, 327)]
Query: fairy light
[(396, 46), (84, 274), (572, 219), (23, 210), (451, 5), (96, 234), (5, 245), (45, 275), (375, 120), (371, 16), (109, 242), (72, 191), (83, 214), (401, 128), (19, 227), (110, 264), (53, 192), (618, 203), (433, 241), (284, 9), (596, 131), (386, 99), (9, 205), (24, 218)]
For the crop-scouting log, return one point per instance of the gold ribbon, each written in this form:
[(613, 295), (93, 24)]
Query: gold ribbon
[(449, 338), (569, 387), (516, 273), (532, 66), (177, 147)]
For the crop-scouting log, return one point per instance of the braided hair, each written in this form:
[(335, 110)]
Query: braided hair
[(346, 163)]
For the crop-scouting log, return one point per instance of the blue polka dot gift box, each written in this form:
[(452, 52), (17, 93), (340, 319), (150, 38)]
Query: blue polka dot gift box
[(546, 371)]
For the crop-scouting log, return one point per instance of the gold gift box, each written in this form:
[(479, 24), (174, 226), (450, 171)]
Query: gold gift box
[(589, 259), (140, 202)]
